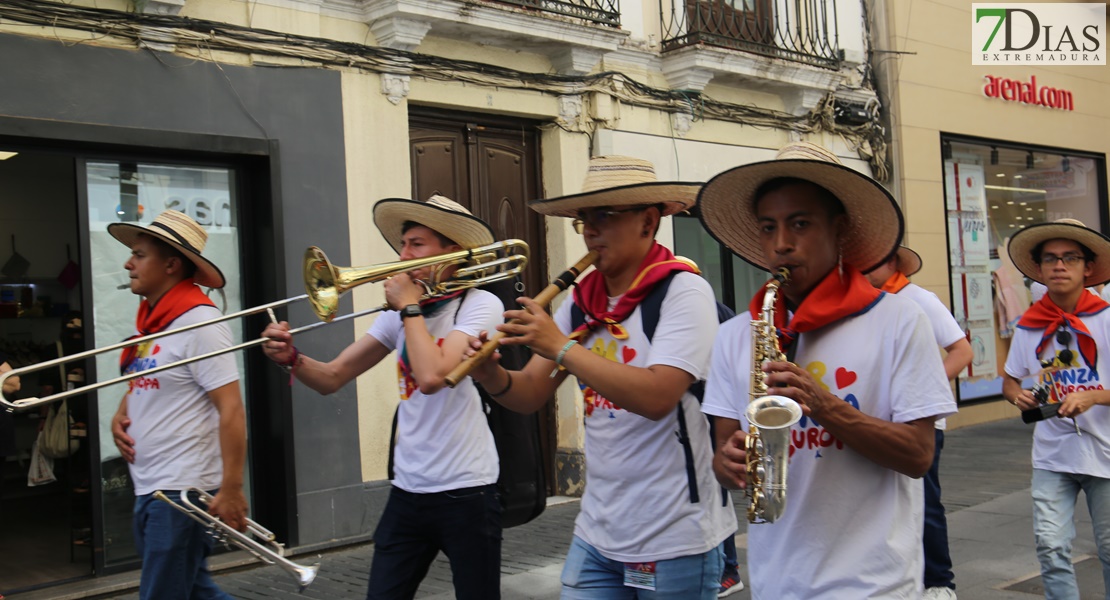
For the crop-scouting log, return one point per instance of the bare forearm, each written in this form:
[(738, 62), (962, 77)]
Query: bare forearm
[(958, 357), (527, 390), (320, 376), (638, 390), (903, 447)]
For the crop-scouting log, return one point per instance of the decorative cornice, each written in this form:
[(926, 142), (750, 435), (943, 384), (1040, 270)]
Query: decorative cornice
[(395, 87), (399, 33), (699, 60)]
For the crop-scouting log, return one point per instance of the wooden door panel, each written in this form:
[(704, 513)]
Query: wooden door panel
[(439, 165)]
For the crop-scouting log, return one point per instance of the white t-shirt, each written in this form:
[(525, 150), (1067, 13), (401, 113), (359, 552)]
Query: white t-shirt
[(443, 440), (851, 529), (636, 507), (946, 331), (175, 426), (1056, 447)]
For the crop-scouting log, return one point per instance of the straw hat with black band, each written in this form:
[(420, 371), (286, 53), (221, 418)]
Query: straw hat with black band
[(183, 233), (1023, 242), (727, 205), (613, 181), (440, 214)]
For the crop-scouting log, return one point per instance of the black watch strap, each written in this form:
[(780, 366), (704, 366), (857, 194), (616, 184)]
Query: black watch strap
[(412, 310)]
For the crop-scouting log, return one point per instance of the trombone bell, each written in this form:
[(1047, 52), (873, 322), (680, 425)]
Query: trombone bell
[(325, 282)]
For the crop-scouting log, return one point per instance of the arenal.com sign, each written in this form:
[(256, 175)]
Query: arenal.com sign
[(1071, 33)]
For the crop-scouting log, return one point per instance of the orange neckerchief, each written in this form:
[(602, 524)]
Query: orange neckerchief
[(591, 296), (834, 298), (896, 282), (1045, 315), (178, 300)]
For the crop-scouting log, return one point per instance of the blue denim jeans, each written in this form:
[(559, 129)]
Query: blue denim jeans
[(174, 549), (1054, 496), (587, 575), (729, 549), (938, 562), (465, 524)]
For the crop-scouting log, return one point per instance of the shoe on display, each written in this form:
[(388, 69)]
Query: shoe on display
[(730, 584)]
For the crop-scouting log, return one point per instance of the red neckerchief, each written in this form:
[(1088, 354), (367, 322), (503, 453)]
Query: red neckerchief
[(178, 300), (591, 296), (1044, 314), (833, 299), (896, 282)]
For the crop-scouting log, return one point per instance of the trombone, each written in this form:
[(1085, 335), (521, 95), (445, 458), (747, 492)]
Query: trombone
[(324, 284), (269, 550)]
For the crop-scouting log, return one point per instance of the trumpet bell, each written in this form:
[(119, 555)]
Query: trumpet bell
[(319, 283)]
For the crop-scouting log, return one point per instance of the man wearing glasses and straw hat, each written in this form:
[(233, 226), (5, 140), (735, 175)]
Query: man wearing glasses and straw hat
[(863, 367), (444, 494), (1059, 340), (652, 518), (183, 427), (893, 277)]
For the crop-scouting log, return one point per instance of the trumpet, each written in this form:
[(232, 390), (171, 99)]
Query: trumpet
[(268, 550), (324, 284)]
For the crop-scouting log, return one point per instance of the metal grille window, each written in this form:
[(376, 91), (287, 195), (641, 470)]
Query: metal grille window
[(802, 30), (603, 12)]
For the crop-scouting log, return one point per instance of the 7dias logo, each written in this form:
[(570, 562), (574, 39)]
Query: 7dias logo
[(1040, 34)]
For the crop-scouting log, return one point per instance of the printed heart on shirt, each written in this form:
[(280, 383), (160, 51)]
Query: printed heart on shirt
[(155, 350), (628, 354), (844, 378)]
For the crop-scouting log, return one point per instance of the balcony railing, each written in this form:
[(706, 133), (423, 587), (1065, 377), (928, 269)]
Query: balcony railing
[(797, 30), (602, 12)]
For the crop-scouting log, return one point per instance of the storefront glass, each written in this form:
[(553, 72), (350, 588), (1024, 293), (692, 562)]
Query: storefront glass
[(992, 190)]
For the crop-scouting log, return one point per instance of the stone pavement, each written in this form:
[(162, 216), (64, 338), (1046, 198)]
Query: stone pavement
[(984, 472)]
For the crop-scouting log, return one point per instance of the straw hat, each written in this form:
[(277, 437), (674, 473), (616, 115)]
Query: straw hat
[(621, 181), (439, 213), (1022, 244), (907, 261), (183, 233), (727, 205)]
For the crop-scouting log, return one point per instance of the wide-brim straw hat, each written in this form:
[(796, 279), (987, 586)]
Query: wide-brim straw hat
[(1022, 244), (727, 205), (613, 181), (183, 233), (439, 213), (907, 261)]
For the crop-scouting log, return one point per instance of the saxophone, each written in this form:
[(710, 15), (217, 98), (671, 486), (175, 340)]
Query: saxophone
[(769, 418)]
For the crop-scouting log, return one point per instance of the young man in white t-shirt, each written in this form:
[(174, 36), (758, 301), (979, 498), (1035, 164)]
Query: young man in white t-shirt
[(444, 494), (893, 277), (1063, 341), (183, 427), (863, 367), (652, 519)]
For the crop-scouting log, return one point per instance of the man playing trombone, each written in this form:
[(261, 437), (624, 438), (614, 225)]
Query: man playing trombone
[(183, 427), (444, 494)]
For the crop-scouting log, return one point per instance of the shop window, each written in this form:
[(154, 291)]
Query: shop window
[(992, 190), (734, 281)]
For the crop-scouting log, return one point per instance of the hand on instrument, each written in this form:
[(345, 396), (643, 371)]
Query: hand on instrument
[(535, 329), (1078, 403), (790, 380), (730, 463), (230, 505), (124, 443), (1025, 400), (279, 348), (487, 369), (402, 290)]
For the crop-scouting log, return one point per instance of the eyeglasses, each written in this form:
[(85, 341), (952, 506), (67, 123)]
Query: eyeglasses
[(1050, 260), (599, 217)]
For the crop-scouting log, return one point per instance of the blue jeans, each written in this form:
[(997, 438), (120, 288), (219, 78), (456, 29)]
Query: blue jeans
[(1054, 496), (587, 575), (174, 549), (938, 563), (729, 548), (464, 523)]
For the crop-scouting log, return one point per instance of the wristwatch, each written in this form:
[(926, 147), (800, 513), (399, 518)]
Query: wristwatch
[(412, 310)]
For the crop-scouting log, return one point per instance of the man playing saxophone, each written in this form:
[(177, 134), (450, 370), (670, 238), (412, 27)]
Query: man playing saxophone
[(444, 494), (863, 367)]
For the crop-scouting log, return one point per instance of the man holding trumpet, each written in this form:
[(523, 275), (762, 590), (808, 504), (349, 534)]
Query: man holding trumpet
[(183, 427), (444, 494), (652, 517)]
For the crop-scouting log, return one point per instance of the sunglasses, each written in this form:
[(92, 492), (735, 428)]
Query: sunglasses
[(599, 217)]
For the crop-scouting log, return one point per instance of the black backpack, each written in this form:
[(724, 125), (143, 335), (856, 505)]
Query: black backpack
[(522, 484), (650, 308)]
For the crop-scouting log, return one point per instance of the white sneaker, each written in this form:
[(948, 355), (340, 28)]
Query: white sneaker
[(939, 593)]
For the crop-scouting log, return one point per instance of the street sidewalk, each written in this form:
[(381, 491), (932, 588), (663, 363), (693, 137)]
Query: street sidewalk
[(985, 474)]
